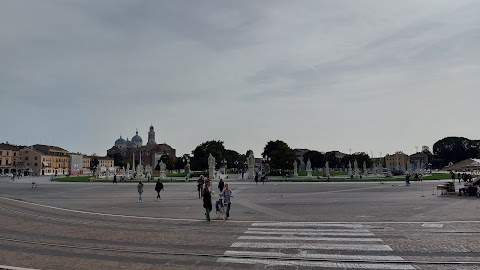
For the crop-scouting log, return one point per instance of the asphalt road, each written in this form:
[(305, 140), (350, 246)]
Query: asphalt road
[(276, 226)]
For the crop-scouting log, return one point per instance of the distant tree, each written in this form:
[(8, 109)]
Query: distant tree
[(199, 161), (93, 162), (168, 162), (233, 158), (360, 157), (333, 162), (179, 163), (455, 149), (316, 158), (281, 155), (117, 160)]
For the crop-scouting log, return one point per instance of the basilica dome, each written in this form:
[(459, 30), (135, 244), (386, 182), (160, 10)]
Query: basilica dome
[(120, 142), (137, 140)]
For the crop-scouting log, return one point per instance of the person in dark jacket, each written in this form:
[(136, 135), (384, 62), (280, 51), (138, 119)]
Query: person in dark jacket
[(207, 201), (200, 183), (158, 188), (221, 184)]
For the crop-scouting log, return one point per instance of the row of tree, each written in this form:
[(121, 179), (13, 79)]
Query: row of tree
[(281, 156)]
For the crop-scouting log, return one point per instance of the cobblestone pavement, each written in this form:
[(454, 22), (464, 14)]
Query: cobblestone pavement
[(281, 226)]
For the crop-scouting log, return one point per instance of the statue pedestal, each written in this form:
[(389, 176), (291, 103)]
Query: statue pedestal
[(163, 176), (309, 174), (251, 173), (211, 173)]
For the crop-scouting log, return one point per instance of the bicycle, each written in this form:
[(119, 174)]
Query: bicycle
[(222, 211)]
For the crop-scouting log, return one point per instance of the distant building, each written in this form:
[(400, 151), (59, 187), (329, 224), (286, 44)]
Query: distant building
[(419, 158), (46, 159), (398, 161), (76, 164), (148, 154), (86, 164), (106, 162), (10, 158)]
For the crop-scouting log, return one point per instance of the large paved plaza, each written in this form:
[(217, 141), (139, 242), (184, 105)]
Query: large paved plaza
[(272, 226)]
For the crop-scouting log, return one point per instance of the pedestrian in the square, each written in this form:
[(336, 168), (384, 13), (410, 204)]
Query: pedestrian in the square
[(407, 179), (158, 188), (140, 191), (256, 178), (207, 202), (200, 183), (115, 178), (264, 178), (221, 184)]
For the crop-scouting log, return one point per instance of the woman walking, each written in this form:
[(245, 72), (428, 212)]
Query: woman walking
[(140, 191), (158, 188), (207, 201)]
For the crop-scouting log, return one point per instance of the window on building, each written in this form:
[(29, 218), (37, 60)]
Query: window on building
[(14, 163), (14, 154), (26, 158), (35, 158), (36, 164)]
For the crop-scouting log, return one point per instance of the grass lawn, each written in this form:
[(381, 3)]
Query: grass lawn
[(82, 178)]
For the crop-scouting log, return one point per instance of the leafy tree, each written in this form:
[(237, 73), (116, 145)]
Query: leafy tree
[(360, 157), (316, 158), (234, 159), (199, 161), (117, 160), (167, 160), (282, 156), (93, 162), (333, 162), (179, 163), (455, 149)]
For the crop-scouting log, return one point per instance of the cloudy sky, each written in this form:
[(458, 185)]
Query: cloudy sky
[(363, 75)]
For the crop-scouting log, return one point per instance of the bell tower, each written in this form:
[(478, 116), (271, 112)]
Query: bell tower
[(151, 136)]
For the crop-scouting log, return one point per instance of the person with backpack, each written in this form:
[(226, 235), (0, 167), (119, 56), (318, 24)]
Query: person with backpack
[(158, 188)]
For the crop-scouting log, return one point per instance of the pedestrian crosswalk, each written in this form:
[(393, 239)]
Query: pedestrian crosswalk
[(312, 244)]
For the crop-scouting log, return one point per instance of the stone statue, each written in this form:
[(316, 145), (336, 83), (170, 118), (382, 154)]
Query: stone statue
[(349, 169), (211, 167), (295, 168), (309, 169), (327, 169), (251, 166), (163, 168), (365, 172), (355, 167)]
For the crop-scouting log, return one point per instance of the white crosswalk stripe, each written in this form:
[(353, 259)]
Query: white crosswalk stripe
[(312, 244)]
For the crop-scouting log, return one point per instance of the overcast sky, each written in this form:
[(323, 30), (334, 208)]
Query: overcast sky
[(368, 76)]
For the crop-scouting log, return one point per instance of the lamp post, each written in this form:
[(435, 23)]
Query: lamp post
[(235, 164), (224, 161)]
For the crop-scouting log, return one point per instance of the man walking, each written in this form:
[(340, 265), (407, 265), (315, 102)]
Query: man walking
[(158, 188), (200, 183), (115, 178)]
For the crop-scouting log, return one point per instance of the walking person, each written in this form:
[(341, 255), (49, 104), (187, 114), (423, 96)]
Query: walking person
[(207, 202), (140, 191), (264, 178), (407, 179), (200, 183), (227, 196), (256, 179), (115, 178), (158, 188), (221, 185)]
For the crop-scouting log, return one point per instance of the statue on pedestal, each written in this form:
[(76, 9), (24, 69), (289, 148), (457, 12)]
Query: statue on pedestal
[(251, 166), (295, 168), (309, 169), (211, 167)]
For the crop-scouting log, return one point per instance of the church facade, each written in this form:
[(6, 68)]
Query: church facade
[(147, 154)]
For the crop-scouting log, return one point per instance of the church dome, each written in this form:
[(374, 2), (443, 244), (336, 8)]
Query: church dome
[(120, 142), (137, 140)]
